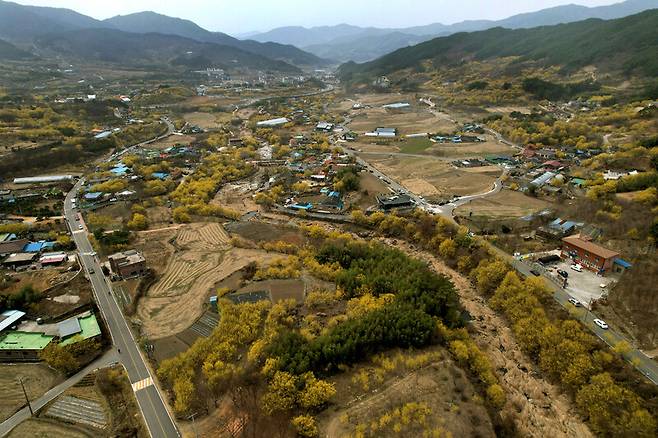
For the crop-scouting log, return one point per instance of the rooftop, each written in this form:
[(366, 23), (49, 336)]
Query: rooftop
[(127, 257), (21, 257), (9, 318), (24, 341), (590, 247), (89, 328)]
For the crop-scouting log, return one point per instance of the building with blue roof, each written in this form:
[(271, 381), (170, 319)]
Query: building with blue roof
[(160, 175), (93, 196), (120, 170)]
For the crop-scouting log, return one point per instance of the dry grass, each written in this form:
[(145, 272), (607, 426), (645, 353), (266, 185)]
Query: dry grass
[(203, 257), (436, 178), (45, 428), (37, 378), (506, 204)]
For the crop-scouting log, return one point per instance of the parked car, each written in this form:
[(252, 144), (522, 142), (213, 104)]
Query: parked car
[(575, 302), (535, 272), (602, 324), (91, 270), (80, 227), (577, 268), (562, 273)]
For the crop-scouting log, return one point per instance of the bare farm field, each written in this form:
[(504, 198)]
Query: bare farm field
[(37, 378), (202, 257), (171, 141), (506, 204), (408, 122), (434, 178), (237, 196), (46, 428), (471, 150), (202, 120)]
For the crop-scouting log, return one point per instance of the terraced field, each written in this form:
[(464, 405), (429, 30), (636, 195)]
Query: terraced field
[(202, 258)]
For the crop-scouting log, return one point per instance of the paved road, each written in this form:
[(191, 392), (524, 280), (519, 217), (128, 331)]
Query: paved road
[(107, 359), (644, 364), (158, 419)]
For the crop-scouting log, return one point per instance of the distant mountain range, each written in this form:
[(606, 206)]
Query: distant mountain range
[(628, 44), (52, 30), (352, 43)]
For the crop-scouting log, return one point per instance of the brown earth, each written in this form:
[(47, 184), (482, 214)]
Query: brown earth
[(202, 258), (505, 204), (46, 428), (539, 408), (37, 378), (436, 178)]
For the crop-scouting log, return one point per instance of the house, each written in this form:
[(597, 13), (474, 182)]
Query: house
[(12, 246), (391, 202), (160, 175), (128, 264), (93, 196), (18, 346), (558, 229), (39, 246), (324, 126), (588, 254), (53, 258), (577, 182), (20, 259), (552, 164), (273, 122), (78, 328)]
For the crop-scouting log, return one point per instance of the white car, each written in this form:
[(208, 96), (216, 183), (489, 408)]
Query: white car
[(80, 227), (577, 268), (602, 324), (575, 302)]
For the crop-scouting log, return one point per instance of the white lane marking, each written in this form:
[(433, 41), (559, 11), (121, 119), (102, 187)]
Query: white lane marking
[(142, 384)]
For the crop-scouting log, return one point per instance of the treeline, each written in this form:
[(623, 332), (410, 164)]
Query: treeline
[(542, 89), (560, 346)]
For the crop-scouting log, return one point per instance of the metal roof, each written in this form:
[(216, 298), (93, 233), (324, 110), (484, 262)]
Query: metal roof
[(24, 341), (590, 247), (9, 317), (69, 327), (43, 179)]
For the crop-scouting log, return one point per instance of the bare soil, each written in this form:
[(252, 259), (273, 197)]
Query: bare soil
[(202, 258), (505, 204), (47, 428), (37, 378)]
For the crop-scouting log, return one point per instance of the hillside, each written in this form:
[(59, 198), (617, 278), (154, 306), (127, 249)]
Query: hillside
[(114, 46), (150, 22), (352, 43), (9, 52), (627, 44)]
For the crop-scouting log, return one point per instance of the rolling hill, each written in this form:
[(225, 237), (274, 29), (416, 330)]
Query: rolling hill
[(115, 46), (351, 43), (150, 22), (626, 44)]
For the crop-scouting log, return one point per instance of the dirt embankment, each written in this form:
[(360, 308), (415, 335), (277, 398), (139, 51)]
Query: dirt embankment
[(539, 408)]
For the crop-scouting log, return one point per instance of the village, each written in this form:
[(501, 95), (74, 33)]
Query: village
[(198, 213)]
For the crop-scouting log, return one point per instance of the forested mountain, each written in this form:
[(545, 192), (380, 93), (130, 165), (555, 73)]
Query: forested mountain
[(150, 22), (23, 24), (114, 46), (627, 44), (352, 43)]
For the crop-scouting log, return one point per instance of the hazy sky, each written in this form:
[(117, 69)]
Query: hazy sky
[(241, 16)]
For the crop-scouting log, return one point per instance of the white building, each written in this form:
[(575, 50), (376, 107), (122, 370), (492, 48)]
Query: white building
[(273, 122)]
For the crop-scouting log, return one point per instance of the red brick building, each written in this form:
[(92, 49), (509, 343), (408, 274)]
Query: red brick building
[(588, 254)]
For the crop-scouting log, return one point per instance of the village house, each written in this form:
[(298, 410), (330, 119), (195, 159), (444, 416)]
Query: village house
[(127, 264)]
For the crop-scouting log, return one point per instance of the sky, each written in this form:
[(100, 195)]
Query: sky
[(238, 17)]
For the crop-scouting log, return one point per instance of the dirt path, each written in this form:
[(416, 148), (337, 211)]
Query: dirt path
[(539, 407), (204, 257)]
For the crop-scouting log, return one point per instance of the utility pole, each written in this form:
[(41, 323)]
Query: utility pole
[(26, 397), (196, 434)]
